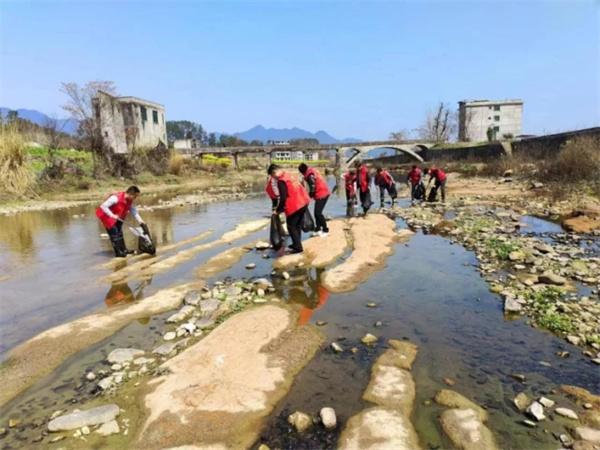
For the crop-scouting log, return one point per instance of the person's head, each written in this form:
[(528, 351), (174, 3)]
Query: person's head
[(302, 168), (426, 170), (132, 192), (274, 170), (358, 163), (379, 169), (414, 167)]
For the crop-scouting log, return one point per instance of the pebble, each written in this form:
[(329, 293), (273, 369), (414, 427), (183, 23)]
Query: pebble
[(587, 406), (3, 432), (546, 402), (169, 336), (321, 323), (285, 276), (368, 339), (371, 305), (522, 401), (449, 381), (262, 245), (90, 376), (529, 423), (518, 377), (536, 410), (250, 266), (13, 423), (328, 417), (264, 447), (573, 340), (378, 324), (300, 421), (57, 439), (568, 413), (336, 347), (108, 428), (116, 367), (85, 430)]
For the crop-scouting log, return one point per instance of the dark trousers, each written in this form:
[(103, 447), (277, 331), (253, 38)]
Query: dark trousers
[(441, 187), (416, 191), (117, 240), (319, 217), (365, 200), (294, 225), (391, 190)]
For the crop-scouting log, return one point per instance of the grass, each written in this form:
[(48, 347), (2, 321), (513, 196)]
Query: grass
[(544, 303), (501, 249), (15, 175), (38, 158)]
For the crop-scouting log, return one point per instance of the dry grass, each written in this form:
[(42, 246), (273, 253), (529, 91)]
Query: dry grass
[(579, 159), (15, 175), (176, 163)]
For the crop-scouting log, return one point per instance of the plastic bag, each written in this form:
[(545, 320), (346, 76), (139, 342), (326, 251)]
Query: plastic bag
[(432, 197), (308, 223), (145, 242), (276, 234)]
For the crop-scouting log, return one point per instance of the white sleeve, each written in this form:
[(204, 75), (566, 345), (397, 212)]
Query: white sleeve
[(135, 214), (110, 201)]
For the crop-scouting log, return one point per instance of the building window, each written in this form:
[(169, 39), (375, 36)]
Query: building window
[(144, 113), (496, 118), (496, 129), (162, 116), (155, 116), (496, 107)]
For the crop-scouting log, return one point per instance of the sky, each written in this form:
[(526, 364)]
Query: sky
[(353, 68)]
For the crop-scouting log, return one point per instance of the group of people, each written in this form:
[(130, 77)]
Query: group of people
[(291, 197)]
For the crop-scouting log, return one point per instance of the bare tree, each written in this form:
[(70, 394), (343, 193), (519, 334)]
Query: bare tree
[(53, 132), (398, 136), (439, 126), (79, 106)]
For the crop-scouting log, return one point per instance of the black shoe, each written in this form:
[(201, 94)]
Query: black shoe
[(296, 251), (129, 252)]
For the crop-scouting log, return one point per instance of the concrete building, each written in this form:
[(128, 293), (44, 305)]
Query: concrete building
[(129, 122), (286, 155), (502, 118), (184, 144)]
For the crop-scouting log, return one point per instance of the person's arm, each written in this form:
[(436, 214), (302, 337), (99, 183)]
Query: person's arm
[(110, 201), (312, 183), (283, 194), (275, 190), (134, 213)]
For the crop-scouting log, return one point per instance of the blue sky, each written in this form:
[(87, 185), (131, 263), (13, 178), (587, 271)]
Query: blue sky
[(359, 69)]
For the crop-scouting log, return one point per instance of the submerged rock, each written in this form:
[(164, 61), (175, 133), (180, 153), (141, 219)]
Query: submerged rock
[(328, 418), (512, 306), (568, 413), (551, 278), (122, 355), (108, 428), (79, 419), (453, 399), (588, 434), (466, 430), (536, 410), (300, 421), (368, 339), (522, 401), (336, 347), (262, 245), (192, 298), (546, 402), (391, 387), (182, 314)]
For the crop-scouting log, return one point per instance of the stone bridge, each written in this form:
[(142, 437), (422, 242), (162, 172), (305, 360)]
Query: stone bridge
[(346, 153)]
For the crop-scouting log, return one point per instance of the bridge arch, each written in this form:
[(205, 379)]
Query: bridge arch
[(412, 152)]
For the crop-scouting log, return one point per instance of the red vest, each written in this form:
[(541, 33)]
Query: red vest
[(297, 197), (121, 208), (269, 188), (414, 176), (438, 174), (349, 179), (321, 188), (363, 178), (384, 179)]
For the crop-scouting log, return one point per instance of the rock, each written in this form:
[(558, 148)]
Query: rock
[(371, 305), (529, 423), (300, 421), (169, 336), (192, 298), (90, 376), (512, 306), (368, 339), (518, 377), (205, 322), (250, 266), (166, 349), (588, 406), (516, 255), (262, 245), (285, 275), (116, 367), (522, 401), (122, 355), (260, 292), (536, 410), (507, 173), (3, 432), (336, 347), (551, 278), (89, 417), (328, 418), (321, 323), (209, 306), (182, 314), (259, 300), (106, 383), (141, 361), (449, 381), (453, 399), (466, 431), (57, 439), (264, 447), (543, 248), (546, 402), (13, 423), (378, 324), (85, 430), (108, 428), (596, 361), (573, 340), (565, 440), (391, 387), (566, 412), (262, 283), (588, 434), (402, 354)]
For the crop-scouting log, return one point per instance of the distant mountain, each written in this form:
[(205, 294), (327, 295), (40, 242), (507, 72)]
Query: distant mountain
[(68, 126), (260, 133)]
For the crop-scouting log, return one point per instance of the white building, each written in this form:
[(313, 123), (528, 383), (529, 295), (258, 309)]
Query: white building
[(483, 120), (184, 144), (286, 155), (129, 122)]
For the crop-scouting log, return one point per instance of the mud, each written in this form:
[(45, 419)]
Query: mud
[(218, 392), (40, 355), (373, 238)]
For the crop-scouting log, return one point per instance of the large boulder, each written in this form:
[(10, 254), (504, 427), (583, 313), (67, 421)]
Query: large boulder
[(89, 417), (466, 430), (122, 355)]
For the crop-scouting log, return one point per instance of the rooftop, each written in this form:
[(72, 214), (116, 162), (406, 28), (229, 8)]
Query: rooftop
[(516, 101), (139, 101)]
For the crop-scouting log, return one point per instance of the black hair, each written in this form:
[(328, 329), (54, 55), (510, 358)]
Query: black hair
[(302, 168), (414, 167), (272, 168), (133, 190), (379, 169)]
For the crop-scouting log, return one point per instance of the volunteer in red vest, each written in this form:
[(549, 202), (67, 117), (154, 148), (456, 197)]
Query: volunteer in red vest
[(440, 180), (363, 182), (317, 189), (385, 182), (415, 179), (113, 212), (350, 184), (293, 200)]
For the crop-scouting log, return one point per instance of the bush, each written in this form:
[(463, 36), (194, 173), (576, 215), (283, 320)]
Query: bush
[(578, 159), (176, 163), (15, 176)]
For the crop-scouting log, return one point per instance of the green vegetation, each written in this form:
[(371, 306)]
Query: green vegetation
[(555, 322), (501, 248), (217, 161), (547, 315), (39, 157)]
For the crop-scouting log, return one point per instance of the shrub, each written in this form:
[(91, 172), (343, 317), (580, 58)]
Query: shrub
[(15, 176), (578, 159), (176, 163)]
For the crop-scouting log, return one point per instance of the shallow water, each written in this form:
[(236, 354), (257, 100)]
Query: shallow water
[(429, 292)]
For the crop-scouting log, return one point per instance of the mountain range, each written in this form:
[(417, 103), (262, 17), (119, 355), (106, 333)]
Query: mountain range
[(258, 132), (68, 126)]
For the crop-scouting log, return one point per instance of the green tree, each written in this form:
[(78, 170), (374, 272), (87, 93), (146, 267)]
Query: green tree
[(212, 139), (185, 129)]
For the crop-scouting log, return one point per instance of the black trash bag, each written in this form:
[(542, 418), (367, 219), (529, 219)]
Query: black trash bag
[(365, 200), (432, 197), (145, 242), (420, 191), (308, 223), (276, 235)]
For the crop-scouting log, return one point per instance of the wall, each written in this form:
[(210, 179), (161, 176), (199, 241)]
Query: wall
[(107, 110), (150, 133), (474, 120), (543, 146)]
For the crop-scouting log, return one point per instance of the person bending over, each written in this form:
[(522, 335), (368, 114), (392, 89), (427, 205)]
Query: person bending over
[(317, 189)]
